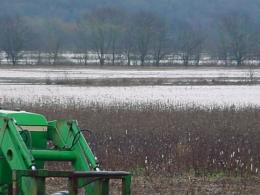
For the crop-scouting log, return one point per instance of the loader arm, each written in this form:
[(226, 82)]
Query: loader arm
[(28, 140), (16, 154), (66, 136)]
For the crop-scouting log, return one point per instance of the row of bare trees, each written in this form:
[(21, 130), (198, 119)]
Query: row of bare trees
[(144, 37), (110, 31), (13, 37), (239, 38)]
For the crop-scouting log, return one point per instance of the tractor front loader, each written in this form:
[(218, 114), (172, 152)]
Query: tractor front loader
[(28, 140)]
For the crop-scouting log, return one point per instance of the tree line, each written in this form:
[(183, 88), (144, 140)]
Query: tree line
[(149, 38)]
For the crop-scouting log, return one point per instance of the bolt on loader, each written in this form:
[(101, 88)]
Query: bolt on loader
[(25, 139)]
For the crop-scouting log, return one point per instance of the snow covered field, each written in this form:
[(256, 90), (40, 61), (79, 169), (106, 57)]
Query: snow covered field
[(201, 95), (170, 95)]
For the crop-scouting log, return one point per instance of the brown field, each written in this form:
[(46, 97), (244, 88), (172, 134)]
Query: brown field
[(170, 151)]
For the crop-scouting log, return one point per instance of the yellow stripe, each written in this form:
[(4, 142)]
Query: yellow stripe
[(34, 128)]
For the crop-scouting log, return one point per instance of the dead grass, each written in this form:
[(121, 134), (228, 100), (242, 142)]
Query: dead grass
[(161, 145), (162, 185), (168, 139)]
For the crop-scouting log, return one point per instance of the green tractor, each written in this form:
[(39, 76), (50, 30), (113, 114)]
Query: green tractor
[(27, 140)]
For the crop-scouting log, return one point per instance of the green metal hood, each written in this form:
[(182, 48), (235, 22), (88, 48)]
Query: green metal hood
[(25, 118)]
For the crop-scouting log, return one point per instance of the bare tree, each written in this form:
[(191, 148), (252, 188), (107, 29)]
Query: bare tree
[(83, 39), (160, 41), (127, 42), (257, 48), (189, 44), (116, 33), (143, 33), (105, 31), (222, 49), (13, 37), (38, 41), (239, 36), (53, 40), (100, 40)]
